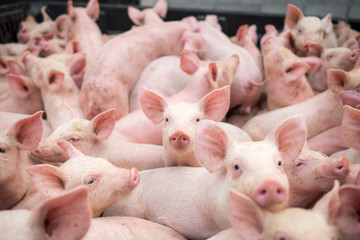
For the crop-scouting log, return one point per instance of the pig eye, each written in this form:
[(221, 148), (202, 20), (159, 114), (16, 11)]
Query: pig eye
[(289, 70), (2, 150), (236, 167), (91, 181), (166, 119), (279, 163), (74, 139), (299, 164), (300, 31), (330, 56), (281, 238), (198, 119)]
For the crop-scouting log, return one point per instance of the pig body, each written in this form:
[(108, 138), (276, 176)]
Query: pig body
[(163, 75), (101, 91), (244, 92), (228, 165)]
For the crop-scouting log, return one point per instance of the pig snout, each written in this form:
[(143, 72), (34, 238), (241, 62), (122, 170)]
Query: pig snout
[(270, 192), (341, 167), (37, 153), (179, 140), (134, 178), (354, 55)]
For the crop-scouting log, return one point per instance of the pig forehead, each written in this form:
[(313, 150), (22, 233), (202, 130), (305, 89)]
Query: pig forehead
[(76, 125), (82, 166), (304, 224), (310, 23), (183, 109), (253, 153)]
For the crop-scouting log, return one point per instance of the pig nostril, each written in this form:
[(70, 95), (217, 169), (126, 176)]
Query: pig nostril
[(263, 192), (340, 167)]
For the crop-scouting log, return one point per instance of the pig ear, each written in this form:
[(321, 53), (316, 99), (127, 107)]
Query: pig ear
[(103, 124), (136, 16), (313, 62), (63, 27), (336, 80), (210, 145), (189, 62), (347, 218), (153, 105), (296, 70), (67, 216), (350, 126), (72, 47), (69, 149), (18, 85), (327, 23), (48, 179), (252, 33), (246, 217), (27, 131), (45, 16), (241, 34), (161, 8), (4, 68), (15, 67), (293, 15), (328, 205), (350, 98), (55, 80), (71, 10), (290, 137), (76, 65), (314, 49), (193, 42), (351, 44), (216, 103), (93, 9), (213, 20)]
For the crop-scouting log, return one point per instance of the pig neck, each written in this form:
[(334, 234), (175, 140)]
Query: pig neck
[(14, 189), (60, 110), (302, 198), (88, 34), (179, 158)]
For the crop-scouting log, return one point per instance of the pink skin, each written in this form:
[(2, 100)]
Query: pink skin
[(85, 30), (251, 222), (328, 141), (107, 184), (149, 15), (283, 39), (95, 138), (244, 89), (304, 29), (341, 206), (354, 175), (345, 32), (201, 192), (129, 228), (100, 91), (58, 90), (23, 135), (328, 103), (180, 121), (163, 75), (136, 127), (335, 58), (24, 28), (312, 174), (285, 75), (23, 96), (66, 216), (246, 37)]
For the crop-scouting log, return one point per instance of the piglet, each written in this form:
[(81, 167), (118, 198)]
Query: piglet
[(66, 216), (345, 32), (96, 138), (106, 183), (285, 75), (304, 29), (180, 120)]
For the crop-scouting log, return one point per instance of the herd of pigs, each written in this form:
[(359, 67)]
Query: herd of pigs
[(173, 130)]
